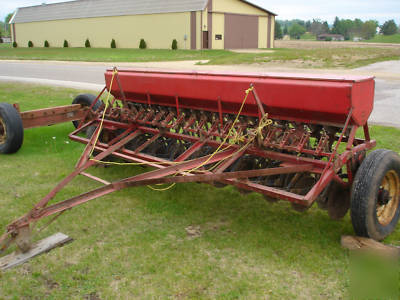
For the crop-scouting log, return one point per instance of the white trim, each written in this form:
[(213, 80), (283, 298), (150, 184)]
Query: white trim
[(12, 18)]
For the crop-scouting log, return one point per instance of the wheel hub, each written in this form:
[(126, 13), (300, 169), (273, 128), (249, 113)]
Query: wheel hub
[(388, 198), (3, 131), (383, 197)]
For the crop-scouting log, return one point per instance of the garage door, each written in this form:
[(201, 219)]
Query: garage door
[(241, 32)]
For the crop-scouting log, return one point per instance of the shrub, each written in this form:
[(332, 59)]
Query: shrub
[(328, 39), (1, 41), (174, 44), (87, 43), (65, 44), (46, 44), (15, 45), (30, 44), (113, 44), (142, 44)]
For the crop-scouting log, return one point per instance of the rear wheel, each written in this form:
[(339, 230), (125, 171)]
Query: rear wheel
[(11, 129), (86, 100), (375, 199)]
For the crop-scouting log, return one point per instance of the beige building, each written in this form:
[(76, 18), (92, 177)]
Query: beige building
[(195, 24)]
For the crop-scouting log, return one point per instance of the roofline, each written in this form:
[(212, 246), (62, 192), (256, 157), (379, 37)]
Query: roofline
[(48, 4), (259, 7), (249, 3), (72, 1), (66, 1), (206, 4), (12, 18)]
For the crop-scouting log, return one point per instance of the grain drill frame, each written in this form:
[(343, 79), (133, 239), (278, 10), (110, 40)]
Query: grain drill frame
[(278, 135)]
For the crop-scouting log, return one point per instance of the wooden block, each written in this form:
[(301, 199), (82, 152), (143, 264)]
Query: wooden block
[(356, 243), (16, 258)]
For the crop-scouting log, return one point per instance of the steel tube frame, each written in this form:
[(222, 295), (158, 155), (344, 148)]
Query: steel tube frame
[(52, 116), (182, 169)]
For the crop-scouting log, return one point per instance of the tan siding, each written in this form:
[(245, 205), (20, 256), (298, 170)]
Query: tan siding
[(198, 29), (262, 32), (237, 7), (205, 20), (218, 28), (272, 31), (158, 30)]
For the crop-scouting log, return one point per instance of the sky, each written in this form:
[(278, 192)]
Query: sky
[(381, 11)]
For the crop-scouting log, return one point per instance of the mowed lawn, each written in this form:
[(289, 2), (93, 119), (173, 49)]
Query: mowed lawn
[(298, 57), (392, 39), (106, 55), (134, 243)]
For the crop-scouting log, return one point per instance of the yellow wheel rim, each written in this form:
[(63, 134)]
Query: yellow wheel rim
[(3, 131), (388, 198)]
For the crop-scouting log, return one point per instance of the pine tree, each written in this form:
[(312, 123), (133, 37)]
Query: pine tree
[(113, 44), (389, 28), (174, 44), (142, 44)]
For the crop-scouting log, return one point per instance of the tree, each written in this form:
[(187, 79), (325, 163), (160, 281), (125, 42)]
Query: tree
[(7, 25), (296, 31), (356, 29), (308, 25), (343, 27), (142, 44), (389, 28), (300, 22), (174, 45), (87, 43), (317, 27), (369, 29), (335, 28), (285, 31), (8, 18), (113, 44), (326, 27), (278, 31)]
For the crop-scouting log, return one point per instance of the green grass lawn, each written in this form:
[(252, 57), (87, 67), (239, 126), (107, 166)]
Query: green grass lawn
[(107, 55), (395, 39), (302, 58), (133, 243), (308, 37), (5, 46)]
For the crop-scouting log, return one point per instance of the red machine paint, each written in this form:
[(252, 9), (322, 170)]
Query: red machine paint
[(301, 98), (274, 134)]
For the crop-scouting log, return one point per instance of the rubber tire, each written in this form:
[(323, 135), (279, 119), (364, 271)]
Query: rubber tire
[(14, 128), (364, 194), (86, 100)]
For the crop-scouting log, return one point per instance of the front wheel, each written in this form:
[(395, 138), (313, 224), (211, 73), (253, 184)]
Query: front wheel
[(375, 197)]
